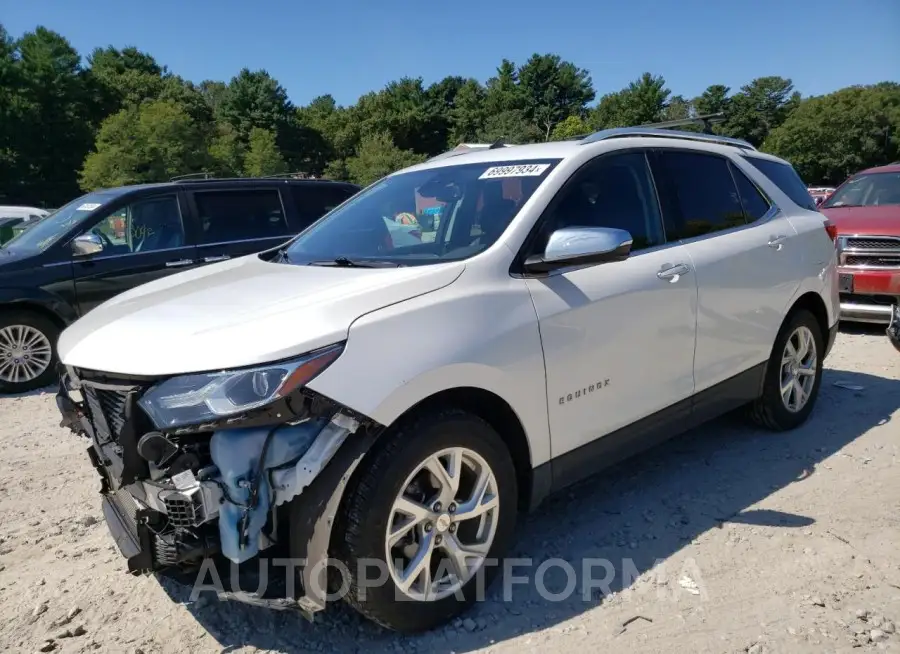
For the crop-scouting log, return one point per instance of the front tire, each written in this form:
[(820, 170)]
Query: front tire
[(435, 502), (27, 351), (793, 374)]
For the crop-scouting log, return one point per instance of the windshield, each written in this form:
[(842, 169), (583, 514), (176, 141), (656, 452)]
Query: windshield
[(868, 190), (51, 228), (423, 217)]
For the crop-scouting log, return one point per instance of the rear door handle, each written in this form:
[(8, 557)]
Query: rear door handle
[(674, 273), (777, 242), (179, 263), (221, 257)]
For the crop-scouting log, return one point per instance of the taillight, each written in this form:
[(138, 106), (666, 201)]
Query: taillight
[(832, 230)]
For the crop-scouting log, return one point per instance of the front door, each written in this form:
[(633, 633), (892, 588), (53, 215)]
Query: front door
[(143, 241), (236, 222), (618, 338)]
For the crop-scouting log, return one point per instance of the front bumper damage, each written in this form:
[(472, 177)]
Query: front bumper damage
[(224, 493)]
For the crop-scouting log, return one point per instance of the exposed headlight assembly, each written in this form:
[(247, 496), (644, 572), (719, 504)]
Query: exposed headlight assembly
[(207, 397)]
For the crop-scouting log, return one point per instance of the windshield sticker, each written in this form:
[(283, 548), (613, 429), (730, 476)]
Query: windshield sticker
[(88, 206), (522, 170)]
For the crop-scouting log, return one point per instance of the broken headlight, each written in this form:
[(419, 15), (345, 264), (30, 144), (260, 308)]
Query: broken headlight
[(206, 397)]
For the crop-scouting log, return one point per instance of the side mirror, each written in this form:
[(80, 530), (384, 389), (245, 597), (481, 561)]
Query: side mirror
[(579, 246), (86, 245)]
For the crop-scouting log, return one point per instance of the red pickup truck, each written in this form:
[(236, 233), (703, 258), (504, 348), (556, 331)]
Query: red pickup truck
[(865, 210)]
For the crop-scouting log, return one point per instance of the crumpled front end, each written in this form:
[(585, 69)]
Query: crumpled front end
[(174, 499)]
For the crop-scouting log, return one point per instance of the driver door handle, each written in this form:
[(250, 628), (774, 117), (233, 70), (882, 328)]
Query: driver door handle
[(222, 257), (777, 242), (179, 263), (674, 273)]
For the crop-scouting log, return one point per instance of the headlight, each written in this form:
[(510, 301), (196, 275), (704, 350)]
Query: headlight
[(207, 397)]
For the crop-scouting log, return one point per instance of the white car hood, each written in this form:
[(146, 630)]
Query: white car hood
[(237, 313)]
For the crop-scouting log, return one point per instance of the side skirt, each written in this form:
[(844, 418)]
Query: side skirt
[(659, 427)]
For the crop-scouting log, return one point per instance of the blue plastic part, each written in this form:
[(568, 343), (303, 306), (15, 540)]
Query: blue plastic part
[(236, 453)]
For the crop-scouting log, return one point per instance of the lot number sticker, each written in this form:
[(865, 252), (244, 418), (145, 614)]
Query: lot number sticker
[(88, 206), (522, 170)]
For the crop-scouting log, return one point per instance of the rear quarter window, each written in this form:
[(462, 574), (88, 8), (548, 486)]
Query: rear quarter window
[(786, 179)]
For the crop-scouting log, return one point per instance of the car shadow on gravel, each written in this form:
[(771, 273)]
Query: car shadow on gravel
[(636, 515)]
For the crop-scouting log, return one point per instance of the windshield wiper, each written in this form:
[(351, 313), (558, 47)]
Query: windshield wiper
[(345, 262)]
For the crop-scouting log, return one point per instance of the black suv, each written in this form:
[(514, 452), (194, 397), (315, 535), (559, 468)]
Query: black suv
[(109, 241)]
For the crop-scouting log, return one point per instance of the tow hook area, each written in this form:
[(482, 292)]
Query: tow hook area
[(262, 466)]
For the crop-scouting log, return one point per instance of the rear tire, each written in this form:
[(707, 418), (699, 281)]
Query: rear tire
[(400, 470), (793, 374), (27, 351)]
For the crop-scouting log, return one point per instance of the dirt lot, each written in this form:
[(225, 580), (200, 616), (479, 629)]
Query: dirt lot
[(763, 544)]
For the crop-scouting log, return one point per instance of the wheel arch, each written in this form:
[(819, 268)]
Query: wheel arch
[(500, 415), (812, 302), (37, 308)]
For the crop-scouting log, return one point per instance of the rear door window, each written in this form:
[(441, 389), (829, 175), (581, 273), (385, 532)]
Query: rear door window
[(755, 203), (240, 215), (786, 179), (698, 194), (315, 200)]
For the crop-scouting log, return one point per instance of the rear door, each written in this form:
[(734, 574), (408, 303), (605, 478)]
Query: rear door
[(745, 255), (312, 200), (144, 240), (233, 222)]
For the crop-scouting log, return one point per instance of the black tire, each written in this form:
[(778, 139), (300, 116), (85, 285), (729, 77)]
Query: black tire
[(49, 329), (769, 410), (362, 522)]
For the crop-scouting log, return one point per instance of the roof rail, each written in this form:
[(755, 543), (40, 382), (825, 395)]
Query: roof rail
[(190, 176), (300, 174), (655, 132)]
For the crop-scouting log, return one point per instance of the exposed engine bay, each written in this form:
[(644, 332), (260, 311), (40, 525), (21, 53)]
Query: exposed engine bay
[(176, 498)]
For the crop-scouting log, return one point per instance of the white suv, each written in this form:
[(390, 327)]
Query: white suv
[(349, 399)]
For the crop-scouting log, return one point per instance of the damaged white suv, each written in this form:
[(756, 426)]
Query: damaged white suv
[(352, 400)]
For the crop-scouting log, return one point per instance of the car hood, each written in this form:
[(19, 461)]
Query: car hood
[(881, 220), (15, 260), (237, 313)]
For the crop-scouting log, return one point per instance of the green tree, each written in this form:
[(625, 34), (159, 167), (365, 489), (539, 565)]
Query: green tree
[(510, 126), (255, 99), (54, 121), (226, 151), (151, 142), (126, 77), (829, 137), (759, 107), (643, 101), (376, 157), (569, 128), (552, 90), (263, 157), (503, 93), (713, 100), (468, 113)]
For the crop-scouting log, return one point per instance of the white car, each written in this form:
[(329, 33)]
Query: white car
[(580, 302)]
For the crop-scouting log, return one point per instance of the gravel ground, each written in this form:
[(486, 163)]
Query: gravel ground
[(745, 542)]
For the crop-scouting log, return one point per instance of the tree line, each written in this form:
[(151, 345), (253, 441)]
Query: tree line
[(118, 117)]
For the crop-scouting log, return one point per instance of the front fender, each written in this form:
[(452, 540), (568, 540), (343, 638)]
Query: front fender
[(24, 298)]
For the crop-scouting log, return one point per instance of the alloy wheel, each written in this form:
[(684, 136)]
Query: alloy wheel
[(799, 365), (442, 524), (25, 354)]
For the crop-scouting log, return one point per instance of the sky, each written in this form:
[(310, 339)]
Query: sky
[(352, 47)]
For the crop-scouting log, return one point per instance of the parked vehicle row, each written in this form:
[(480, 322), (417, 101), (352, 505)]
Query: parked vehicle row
[(574, 303), (865, 211), (16, 219), (109, 241)]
